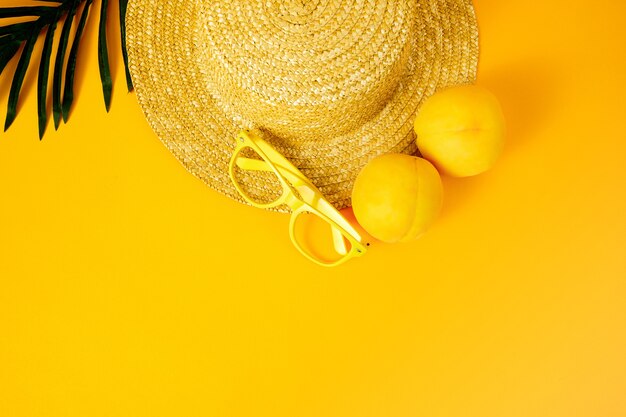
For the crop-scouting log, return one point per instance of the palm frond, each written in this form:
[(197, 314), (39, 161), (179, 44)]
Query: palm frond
[(16, 27), (7, 52), (123, 6), (103, 53), (42, 83), (70, 70), (19, 39), (26, 11), (57, 77), (18, 79)]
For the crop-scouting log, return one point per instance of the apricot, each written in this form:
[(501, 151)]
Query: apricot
[(397, 197), (461, 130)]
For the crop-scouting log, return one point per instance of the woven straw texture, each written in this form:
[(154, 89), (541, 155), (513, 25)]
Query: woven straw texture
[(330, 83)]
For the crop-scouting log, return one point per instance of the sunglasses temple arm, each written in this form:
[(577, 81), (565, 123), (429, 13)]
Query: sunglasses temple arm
[(260, 165), (338, 241), (252, 164), (334, 215), (330, 211)]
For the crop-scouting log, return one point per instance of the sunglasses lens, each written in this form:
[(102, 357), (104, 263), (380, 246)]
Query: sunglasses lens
[(319, 239), (255, 178)]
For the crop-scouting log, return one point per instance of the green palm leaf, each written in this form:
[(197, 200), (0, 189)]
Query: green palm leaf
[(42, 83), (17, 27), (57, 77), (103, 56), (7, 52), (23, 36), (123, 6), (68, 94), (18, 79)]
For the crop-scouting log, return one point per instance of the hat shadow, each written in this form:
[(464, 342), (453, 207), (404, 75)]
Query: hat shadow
[(527, 95)]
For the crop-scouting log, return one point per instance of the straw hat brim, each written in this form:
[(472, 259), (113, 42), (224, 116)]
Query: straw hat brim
[(168, 68)]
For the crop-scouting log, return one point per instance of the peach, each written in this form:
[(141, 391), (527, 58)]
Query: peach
[(461, 130), (397, 197)]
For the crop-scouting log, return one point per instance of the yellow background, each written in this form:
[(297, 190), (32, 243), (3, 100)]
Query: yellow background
[(127, 288)]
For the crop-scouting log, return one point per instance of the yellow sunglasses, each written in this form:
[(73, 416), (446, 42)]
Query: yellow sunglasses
[(299, 194)]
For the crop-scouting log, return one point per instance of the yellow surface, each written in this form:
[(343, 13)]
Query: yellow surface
[(129, 289)]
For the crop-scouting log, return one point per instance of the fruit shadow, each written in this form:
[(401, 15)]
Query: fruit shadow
[(348, 214), (529, 96)]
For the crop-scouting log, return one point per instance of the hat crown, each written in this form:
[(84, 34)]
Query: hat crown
[(295, 10), (308, 70)]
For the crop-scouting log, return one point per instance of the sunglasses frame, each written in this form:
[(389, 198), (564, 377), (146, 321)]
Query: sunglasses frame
[(298, 193)]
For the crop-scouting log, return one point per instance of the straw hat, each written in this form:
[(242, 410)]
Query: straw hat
[(331, 83)]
